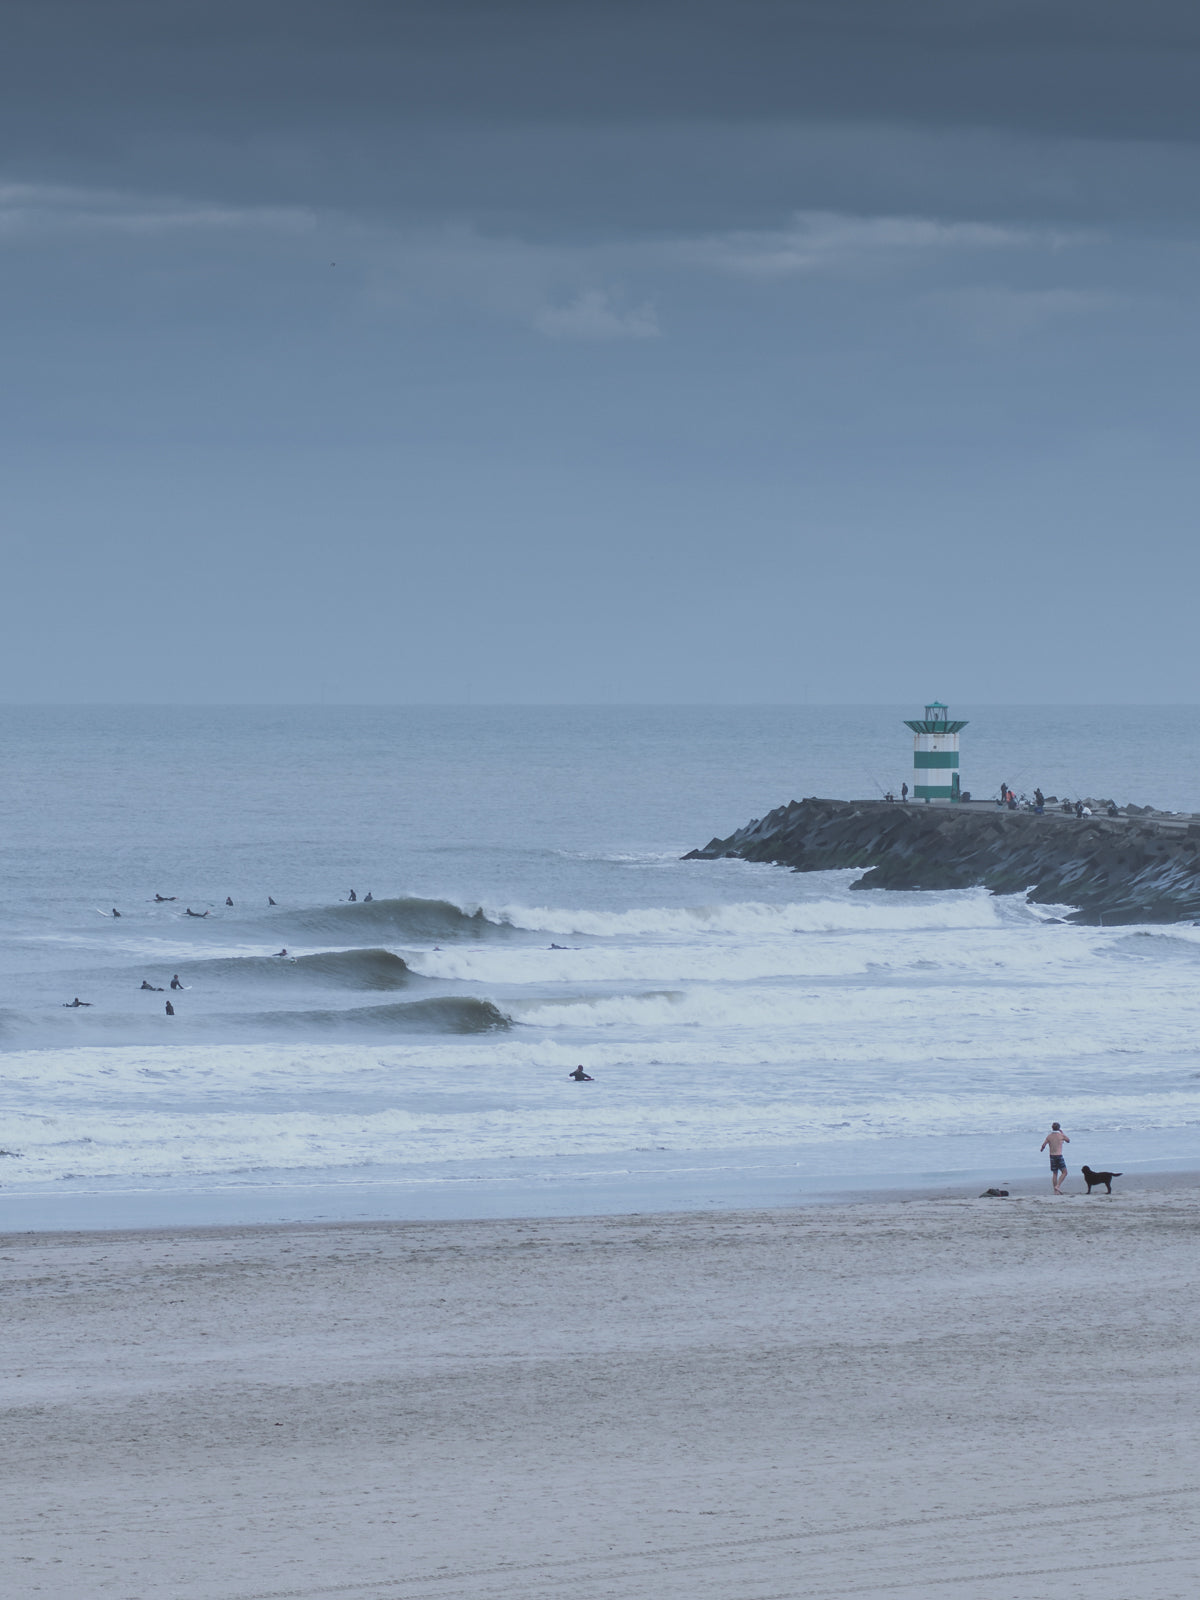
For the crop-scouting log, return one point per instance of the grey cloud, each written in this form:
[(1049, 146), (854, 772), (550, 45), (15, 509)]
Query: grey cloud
[(561, 118), (593, 315), (38, 209), (828, 241)]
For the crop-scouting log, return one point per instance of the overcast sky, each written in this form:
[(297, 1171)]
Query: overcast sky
[(628, 350)]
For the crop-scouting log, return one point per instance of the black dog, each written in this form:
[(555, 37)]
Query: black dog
[(1090, 1178)]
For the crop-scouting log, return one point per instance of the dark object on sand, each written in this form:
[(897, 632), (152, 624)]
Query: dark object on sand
[(1091, 1178), (994, 1194)]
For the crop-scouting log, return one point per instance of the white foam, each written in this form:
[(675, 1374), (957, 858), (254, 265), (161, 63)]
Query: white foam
[(856, 913), (504, 1109)]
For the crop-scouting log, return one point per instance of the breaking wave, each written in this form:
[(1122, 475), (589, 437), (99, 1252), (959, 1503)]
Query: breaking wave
[(971, 908), (348, 969), (447, 1014), (403, 919)]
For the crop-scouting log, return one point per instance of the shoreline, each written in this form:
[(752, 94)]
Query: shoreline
[(139, 1211)]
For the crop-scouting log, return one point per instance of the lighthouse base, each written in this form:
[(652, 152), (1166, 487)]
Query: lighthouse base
[(934, 791)]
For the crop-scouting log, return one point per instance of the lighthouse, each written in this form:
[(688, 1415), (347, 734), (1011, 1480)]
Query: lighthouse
[(935, 753)]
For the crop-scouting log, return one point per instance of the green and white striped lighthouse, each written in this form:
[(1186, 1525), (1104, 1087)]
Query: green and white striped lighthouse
[(935, 754)]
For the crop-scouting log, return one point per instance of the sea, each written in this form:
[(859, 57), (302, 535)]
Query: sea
[(520, 908)]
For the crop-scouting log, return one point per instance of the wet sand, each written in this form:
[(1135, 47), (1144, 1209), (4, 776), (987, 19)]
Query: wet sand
[(984, 1399)]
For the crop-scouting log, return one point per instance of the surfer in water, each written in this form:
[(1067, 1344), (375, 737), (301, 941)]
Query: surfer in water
[(190, 913), (353, 897), (71, 1005), (163, 899), (175, 983), (170, 1009), (228, 900), (580, 1076), (368, 897), (116, 913), (153, 987), (282, 952), (270, 902)]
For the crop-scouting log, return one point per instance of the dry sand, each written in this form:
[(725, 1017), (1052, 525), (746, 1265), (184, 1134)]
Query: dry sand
[(986, 1399)]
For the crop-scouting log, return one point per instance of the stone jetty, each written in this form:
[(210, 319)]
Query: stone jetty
[(1139, 866)]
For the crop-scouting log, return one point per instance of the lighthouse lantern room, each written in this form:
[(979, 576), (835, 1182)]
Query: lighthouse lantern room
[(935, 754)]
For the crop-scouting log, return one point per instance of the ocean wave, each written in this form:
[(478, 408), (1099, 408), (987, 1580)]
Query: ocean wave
[(373, 968), (86, 1143), (446, 1014), (1157, 944), (403, 918), (952, 952), (895, 914)]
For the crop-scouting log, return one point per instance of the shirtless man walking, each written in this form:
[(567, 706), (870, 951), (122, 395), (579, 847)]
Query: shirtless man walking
[(1056, 1138)]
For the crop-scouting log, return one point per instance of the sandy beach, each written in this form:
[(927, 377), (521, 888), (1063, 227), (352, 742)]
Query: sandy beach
[(985, 1399)]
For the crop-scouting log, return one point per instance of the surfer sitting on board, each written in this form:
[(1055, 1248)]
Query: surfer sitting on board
[(581, 1076), (175, 983)]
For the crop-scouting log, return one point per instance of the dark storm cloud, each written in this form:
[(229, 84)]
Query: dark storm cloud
[(554, 116)]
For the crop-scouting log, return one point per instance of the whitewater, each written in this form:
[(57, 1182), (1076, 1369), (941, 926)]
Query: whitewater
[(754, 1035)]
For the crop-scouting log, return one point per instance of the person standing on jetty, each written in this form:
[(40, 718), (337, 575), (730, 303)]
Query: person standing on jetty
[(1056, 1138)]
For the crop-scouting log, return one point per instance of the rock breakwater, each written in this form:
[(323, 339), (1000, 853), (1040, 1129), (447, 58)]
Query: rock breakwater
[(1142, 867)]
